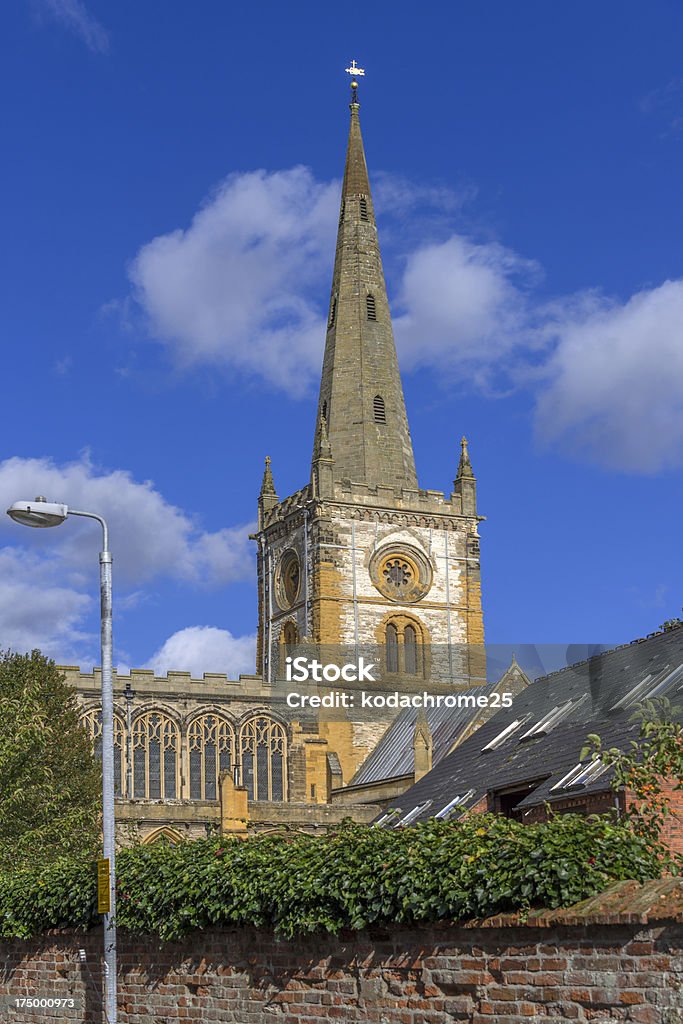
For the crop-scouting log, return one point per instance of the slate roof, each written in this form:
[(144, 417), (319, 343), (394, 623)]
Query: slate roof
[(394, 755), (594, 687)]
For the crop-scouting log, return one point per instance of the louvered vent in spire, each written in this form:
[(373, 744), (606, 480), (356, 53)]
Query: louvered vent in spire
[(371, 307), (379, 409)]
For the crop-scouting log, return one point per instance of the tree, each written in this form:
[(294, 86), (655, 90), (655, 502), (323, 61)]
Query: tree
[(652, 764), (671, 624), (50, 780)]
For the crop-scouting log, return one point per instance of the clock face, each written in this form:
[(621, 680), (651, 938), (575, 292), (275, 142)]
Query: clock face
[(288, 583), (291, 579)]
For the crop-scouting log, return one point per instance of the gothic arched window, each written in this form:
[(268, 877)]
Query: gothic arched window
[(392, 648), (263, 754), (410, 650), (404, 641), (92, 721), (211, 749), (156, 746), (371, 307), (379, 409)]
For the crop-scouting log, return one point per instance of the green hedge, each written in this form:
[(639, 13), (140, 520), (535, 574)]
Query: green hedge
[(356, 877)]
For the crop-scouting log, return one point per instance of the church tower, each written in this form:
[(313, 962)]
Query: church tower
[(362, 555)]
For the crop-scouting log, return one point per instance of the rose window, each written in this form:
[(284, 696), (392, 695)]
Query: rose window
[(398, 573)]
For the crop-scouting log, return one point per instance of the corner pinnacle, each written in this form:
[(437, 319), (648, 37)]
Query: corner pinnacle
[(267, 484), (464, 466)]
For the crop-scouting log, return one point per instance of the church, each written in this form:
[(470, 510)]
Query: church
[(361, 558)]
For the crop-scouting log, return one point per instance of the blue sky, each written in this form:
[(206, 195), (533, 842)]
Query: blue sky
[(170, 187)]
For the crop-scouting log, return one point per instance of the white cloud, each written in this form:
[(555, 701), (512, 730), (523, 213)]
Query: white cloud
[(47, 577), (199, 649), (35, 611), (150, 537), (464, 305), (614, 388), (242, 285), (74, 15)]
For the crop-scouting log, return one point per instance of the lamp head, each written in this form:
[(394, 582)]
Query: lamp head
[(39, 512)]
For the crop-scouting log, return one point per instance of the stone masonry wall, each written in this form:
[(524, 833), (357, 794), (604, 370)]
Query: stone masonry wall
[(615, 958)]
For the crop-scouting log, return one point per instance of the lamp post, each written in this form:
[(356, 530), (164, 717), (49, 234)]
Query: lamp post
[(42, 513)]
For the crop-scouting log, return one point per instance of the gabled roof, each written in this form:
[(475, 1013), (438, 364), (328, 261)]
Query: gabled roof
[(594, 696), (393, 757)]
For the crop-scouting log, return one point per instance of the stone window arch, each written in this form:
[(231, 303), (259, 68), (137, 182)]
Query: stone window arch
[(410, 652), (156, 750), (289, 634), (391, 640), (165, 833), (92, 723), (211, 750), (405, 643), (263, 758)]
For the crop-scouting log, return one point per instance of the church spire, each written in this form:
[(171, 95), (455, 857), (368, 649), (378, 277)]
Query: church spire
[(361, 397)]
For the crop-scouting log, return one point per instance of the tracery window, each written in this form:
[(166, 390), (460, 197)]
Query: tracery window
[(404, 647), (156, 746), (410, 650), (211, 748), (392, 648), (263, 750), (92, 721)]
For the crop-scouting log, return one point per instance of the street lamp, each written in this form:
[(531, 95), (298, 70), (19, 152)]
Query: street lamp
[(42, 513)]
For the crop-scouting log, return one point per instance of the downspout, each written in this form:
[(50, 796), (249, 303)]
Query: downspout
[(355, 595), (264, 655), (448, 609), (306, 581)]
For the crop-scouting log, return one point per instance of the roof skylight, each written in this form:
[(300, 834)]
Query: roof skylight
[(503, 735), (457, 802), (651, 686), (583, 774), (388, 817), (415, 813), (551, 719)]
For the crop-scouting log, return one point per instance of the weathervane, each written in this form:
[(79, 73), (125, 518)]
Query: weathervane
[(354, 71)]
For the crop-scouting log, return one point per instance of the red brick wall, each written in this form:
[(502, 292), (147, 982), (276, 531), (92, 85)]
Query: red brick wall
[(624, 971), (672, 831)]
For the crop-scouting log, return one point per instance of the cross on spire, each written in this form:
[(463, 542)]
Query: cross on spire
[(354, 71)]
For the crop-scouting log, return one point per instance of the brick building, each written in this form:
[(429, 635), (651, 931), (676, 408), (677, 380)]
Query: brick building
[(528, 757)]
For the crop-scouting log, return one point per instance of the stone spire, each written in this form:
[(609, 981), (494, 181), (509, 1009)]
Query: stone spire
[(465, 483), (323, 464), (267, 498), (464, 466), (361, 397)]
